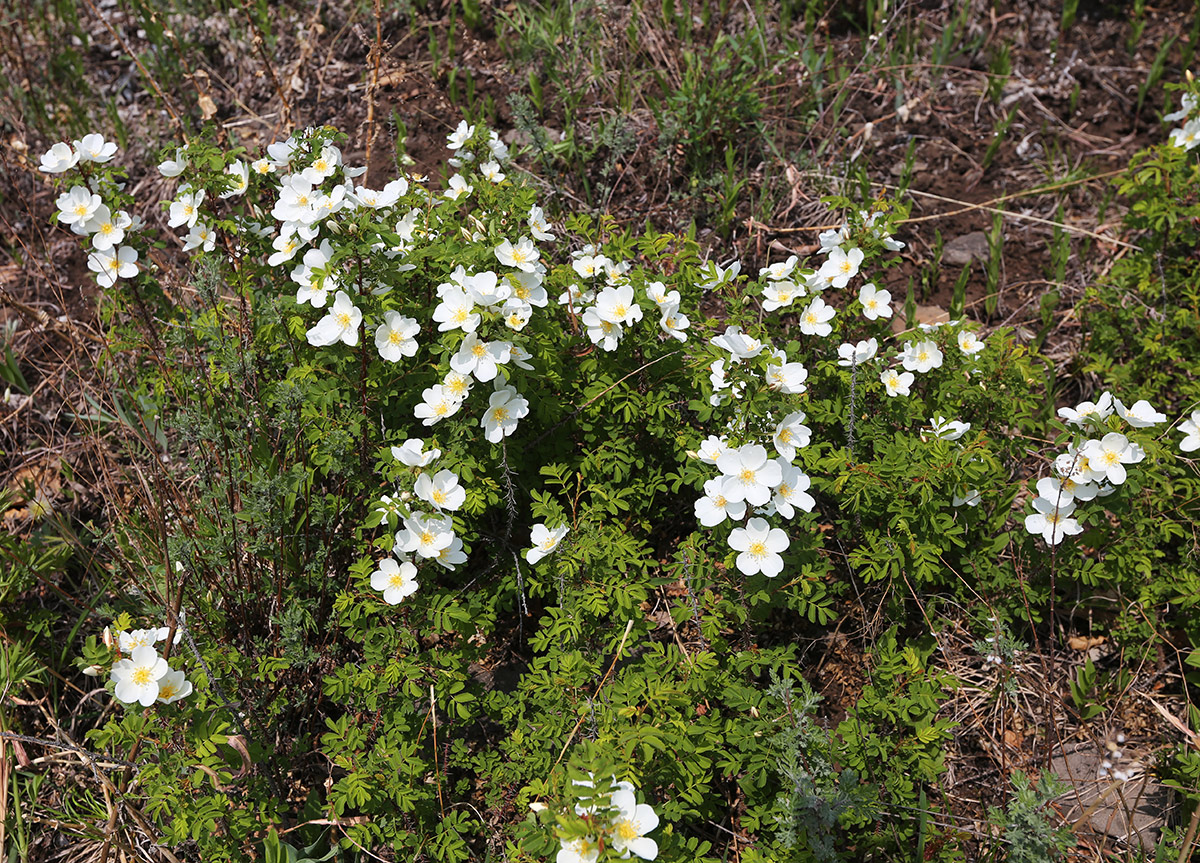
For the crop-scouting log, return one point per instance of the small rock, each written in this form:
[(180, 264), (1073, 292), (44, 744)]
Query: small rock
[(963, 250), (1132, 811)]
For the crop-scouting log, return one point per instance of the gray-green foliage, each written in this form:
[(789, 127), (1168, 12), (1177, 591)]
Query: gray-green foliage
[(816, 792), (1027, 820)]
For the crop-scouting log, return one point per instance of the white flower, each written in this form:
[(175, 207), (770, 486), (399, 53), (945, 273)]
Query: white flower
[(77, 206), (395, 580), (441, 490), (1187, 137), (297, 201), (185, 210), (921, 356), (791, 434), (814, 320), (759, 544), (786, 377), (840, 267), (61, 157), (1057, 491), (587, 266), (173, 686), (314, 288), (458, 188), (201, 236), (487, 289), (137, 678), (1074, 464), (437, 404), (833, 238), (1088, 411), (780, 294), (585, 849), (323, 166), (710, 449), (395, 337), (107, 229), (425, 534), (875, 303), (505, 407), (741, 345), (239, 179), (491, 172), (948, 429), (545, 540), (452, 555), (1107, 457), (128, 642), (538, 226), (792, 491), (460, 136), (113, 264), (969, 343), (604, 333), (410, 453), (720, 275), (631, 824), (1051, 521), (93, 148), (777, 272), (970, 497), (714, 507), (456, 311), (1191, 430), (377, 200), (673, 323), (896, 384), (523, 256), (751, 473), (340, 324), (616, 305), (1140, 415), (479, 358), (857, 354), (1187, 106)]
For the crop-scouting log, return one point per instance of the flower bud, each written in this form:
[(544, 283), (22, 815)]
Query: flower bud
[(108, 638), (94, 670)]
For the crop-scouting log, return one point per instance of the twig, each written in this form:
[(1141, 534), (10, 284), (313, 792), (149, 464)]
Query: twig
[(612, 665)]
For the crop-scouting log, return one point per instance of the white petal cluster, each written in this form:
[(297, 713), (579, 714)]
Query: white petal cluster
[(619, 821), (1090, 467), (144, 677)]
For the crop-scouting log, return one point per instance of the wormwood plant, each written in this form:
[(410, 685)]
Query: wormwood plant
[(473, 534)]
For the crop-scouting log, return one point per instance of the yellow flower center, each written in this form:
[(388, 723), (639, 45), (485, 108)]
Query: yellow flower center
[(81, 210), (426, 537), (141, 675), (757, 549), (343, 319), (747, 475), (478, 349), (499, 414), (395, 338), (439, 496), (396, 580), (627, 831)]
